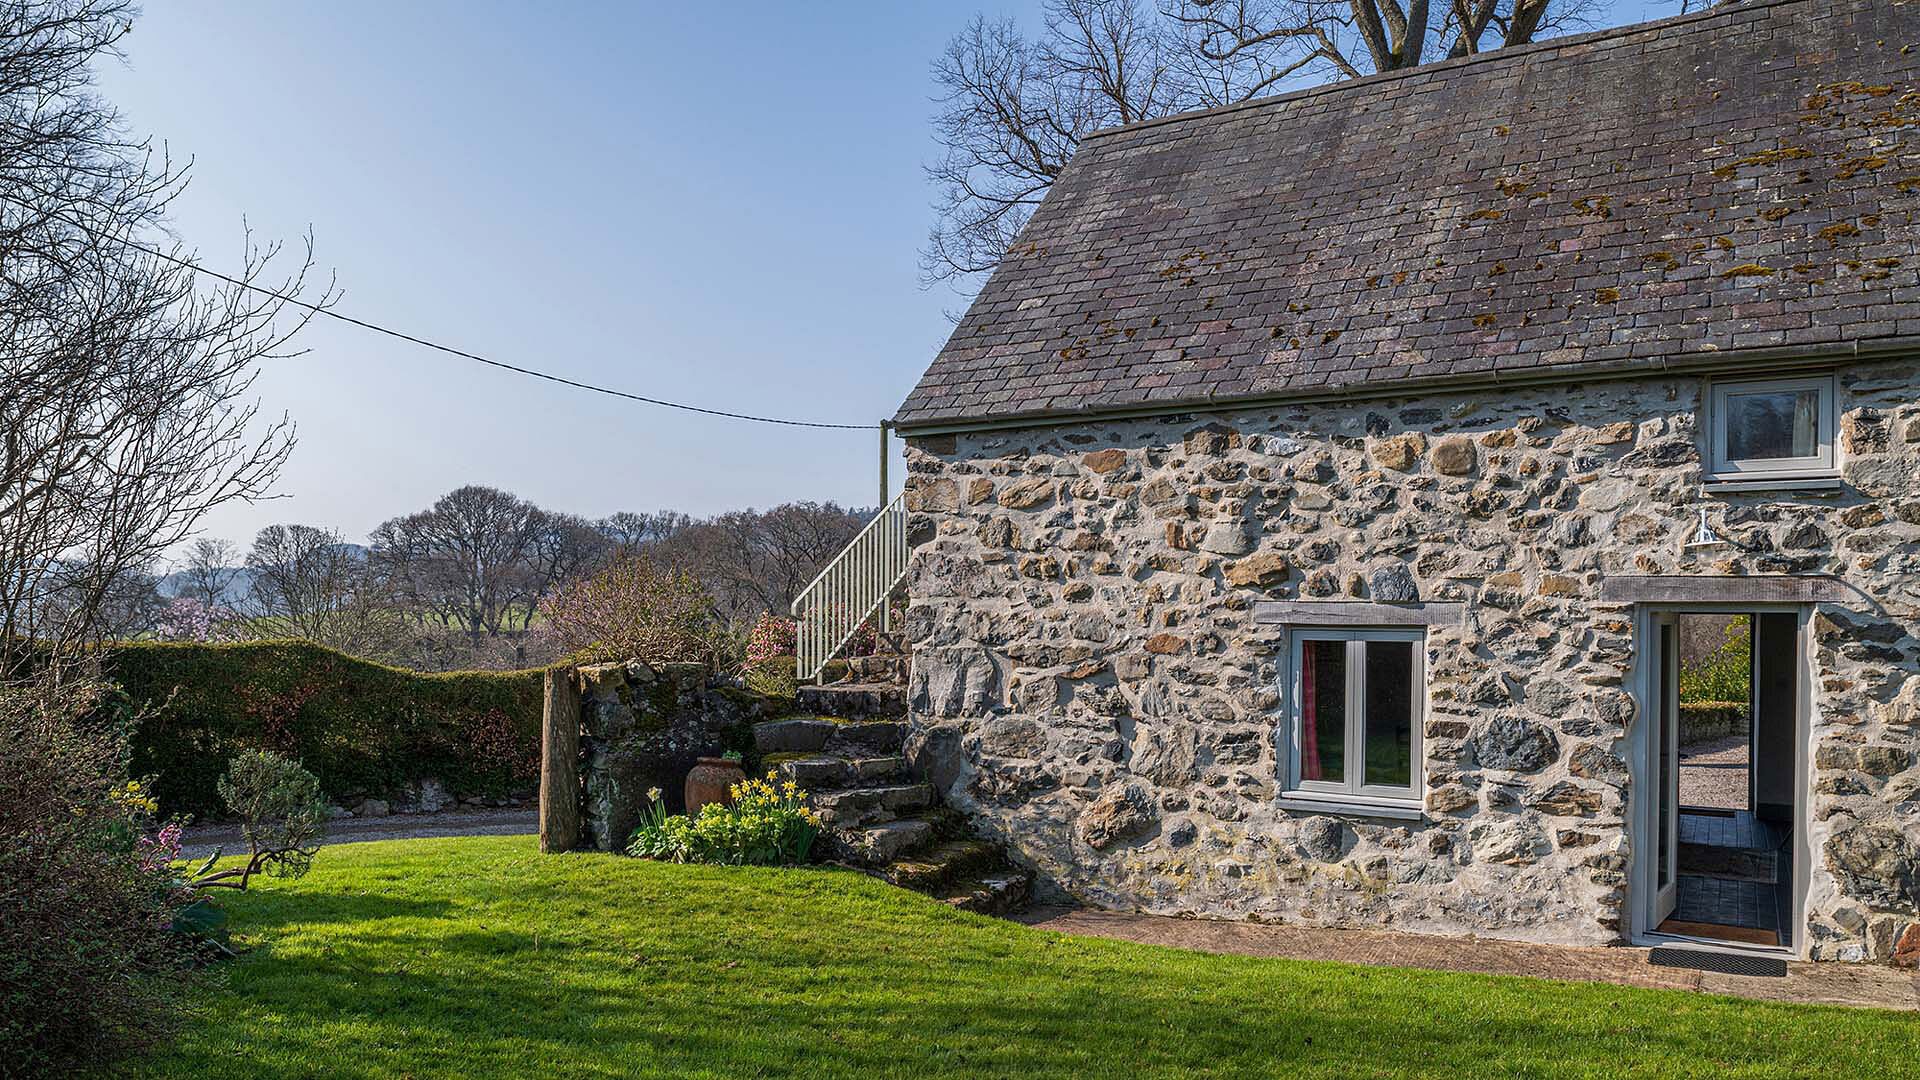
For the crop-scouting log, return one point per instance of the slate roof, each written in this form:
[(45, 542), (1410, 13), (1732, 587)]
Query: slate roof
[(1740, 179)]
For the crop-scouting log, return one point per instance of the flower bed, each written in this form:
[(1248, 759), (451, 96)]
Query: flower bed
[(767, 823)]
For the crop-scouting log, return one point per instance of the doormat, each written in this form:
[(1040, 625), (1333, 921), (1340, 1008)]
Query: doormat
[(1722, 963)]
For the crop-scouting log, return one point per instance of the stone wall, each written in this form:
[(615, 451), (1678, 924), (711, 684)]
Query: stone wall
[(1090, 687), (643, 727), (1708, 721)]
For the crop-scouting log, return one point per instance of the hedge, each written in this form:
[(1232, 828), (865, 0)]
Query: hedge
[(362, 728)]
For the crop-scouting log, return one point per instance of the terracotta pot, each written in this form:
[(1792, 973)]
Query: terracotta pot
[(709, 782)]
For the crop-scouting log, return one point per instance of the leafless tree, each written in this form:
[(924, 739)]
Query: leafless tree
[(756, 561), (565, 547), (633, 533), (1351, 38), (126, 606), (307, 582), (1012, 110), (208, 571), (473, 560), (126, 406)]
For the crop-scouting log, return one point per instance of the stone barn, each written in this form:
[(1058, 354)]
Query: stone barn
[(1305, 515)]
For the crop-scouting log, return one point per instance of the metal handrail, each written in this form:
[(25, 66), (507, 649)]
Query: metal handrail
[(851, 589)]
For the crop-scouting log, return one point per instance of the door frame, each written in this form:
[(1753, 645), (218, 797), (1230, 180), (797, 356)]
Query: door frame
[(1642, 816)]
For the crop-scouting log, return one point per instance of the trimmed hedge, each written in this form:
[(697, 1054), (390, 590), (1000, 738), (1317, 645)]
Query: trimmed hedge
[(362, 728)]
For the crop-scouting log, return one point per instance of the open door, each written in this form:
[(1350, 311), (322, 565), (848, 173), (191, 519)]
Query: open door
[(1666, 735)]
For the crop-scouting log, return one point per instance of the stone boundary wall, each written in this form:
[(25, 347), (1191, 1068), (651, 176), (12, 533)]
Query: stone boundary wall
[(1089, 685), (1707, 721), (642, 727)]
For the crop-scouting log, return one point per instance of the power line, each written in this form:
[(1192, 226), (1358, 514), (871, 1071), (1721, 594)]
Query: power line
[(448, 349)]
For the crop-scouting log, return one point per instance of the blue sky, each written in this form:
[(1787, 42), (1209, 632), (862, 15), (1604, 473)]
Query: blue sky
[(719, 209)]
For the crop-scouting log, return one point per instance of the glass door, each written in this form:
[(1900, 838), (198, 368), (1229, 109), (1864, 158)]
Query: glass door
[(1665, 731)]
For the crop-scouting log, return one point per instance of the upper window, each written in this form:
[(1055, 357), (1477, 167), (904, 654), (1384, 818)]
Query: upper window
[(1358, 700), (1772, 429)]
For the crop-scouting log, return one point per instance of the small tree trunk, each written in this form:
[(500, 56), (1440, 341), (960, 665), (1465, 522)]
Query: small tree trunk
[(560, 764)]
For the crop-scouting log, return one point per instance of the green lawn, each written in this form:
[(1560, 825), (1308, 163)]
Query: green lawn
[(480, 958)]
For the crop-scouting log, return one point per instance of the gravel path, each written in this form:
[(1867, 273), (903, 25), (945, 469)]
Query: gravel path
[(1715, 773), (201, 840)]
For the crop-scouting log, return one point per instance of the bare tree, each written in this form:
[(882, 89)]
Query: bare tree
[(1013, 109), (756, 561), (633, 533), (1351, 38), (566, 546), (209, 570), (472, 559), (308, 582), (126, 408), (121, 605)]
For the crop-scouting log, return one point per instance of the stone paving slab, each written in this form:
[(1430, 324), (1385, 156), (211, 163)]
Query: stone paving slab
[(1860, 985)]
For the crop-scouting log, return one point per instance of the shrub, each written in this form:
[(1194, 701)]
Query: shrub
[(769, 664), (767, 824), (1725, 674), (636, 609), (88, 967), (773, 636), (281, 815), (360, 727)]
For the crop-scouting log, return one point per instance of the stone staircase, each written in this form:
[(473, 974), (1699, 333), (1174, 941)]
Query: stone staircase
[(848, 753)]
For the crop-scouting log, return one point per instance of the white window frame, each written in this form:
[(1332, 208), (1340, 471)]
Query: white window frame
[(1823, 464), (1353, 793)]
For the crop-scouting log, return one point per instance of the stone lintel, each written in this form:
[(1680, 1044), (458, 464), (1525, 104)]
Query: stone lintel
[(1355, 613), (1725, 589)]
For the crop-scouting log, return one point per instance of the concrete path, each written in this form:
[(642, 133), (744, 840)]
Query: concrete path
[(201, 840), (1864, 985)]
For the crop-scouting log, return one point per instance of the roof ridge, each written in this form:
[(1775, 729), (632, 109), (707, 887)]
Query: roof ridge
[(1510, 52)]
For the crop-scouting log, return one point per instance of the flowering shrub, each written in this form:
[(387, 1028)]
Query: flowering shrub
[(769, 666), (773, 636), (767, 824), (865, 640), (87, 960), (187, 619), (635, 609)]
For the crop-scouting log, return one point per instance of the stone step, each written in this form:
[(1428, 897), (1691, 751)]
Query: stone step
[(1736, 864), (857, 807), (856, 701), (994, 892), (936, 866), (877, 845), (890, 668), (812, 735), (819, 773), (868, 738)]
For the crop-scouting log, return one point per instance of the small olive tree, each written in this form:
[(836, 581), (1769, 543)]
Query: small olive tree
[(281, 815)]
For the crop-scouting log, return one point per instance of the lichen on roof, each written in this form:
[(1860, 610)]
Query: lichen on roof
[(1610, 199)]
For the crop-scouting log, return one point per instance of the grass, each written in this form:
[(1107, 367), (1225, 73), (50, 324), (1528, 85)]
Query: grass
[(481, 958)]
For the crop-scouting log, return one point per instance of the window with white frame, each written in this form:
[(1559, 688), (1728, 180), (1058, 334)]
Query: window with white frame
[(1357, 702), (1772, 429)]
